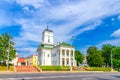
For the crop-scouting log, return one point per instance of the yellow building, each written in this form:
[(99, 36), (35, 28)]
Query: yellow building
[(32, 60)]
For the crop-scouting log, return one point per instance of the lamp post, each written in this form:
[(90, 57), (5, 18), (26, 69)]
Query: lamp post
[(71, 55)]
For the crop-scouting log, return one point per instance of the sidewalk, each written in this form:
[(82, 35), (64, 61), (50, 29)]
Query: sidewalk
[(6, 72), (12, 72)]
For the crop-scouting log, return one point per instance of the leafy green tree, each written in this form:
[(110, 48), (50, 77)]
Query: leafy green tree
[(78, 57), (106, 53), (94, 57), (4, 42), (116, 57), (91, 50)]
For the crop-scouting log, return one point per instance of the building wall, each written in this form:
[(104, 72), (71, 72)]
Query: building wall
[(14, 61), (56, 56), (29, 60), (35, 60), (39, 57), (32, 60), (45, 58)]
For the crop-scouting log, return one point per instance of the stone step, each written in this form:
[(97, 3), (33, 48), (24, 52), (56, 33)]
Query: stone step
[(26, 69)]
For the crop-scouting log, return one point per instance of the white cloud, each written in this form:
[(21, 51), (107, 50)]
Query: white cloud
[(116, 33), (115, 42), (35, 3), (64, 18), (119, 17), (90, 27), (112, 42)]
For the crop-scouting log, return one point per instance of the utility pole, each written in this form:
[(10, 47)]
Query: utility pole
[(71, 60), (8, 56), (12, 20)]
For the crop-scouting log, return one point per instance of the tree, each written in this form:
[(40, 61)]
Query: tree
[(91, 50), (4, 42), (106, 53), (78, 57), (116, 57), (94, 57)]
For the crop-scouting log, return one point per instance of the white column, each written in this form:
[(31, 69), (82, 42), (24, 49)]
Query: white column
[(60, 57), (74, 62), (65, 58), (70, 57)]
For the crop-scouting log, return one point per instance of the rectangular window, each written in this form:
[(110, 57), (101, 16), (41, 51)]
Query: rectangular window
[(63, 52), (72, 53), (67, 61), (48, 55)]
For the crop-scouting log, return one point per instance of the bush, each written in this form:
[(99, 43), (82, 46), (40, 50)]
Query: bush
[(91, 69), (54, 68), (65, 68), (4, 68), (98, 69)]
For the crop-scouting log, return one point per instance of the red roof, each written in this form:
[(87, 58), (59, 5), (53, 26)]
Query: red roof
[(21, 60)]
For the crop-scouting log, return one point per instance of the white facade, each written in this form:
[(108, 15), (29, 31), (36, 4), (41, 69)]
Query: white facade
[(61, 54), (45, 57)]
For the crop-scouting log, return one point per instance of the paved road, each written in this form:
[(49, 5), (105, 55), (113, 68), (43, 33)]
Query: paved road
[(62, 76)]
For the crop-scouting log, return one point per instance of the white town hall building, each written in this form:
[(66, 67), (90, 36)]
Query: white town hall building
[(50, 54)]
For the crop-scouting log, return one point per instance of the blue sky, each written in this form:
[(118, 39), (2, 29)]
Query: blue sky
[(92, 22)]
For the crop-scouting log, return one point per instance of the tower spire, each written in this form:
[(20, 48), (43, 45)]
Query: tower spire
[(47, 27)]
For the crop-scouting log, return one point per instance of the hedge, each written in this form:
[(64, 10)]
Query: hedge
[(4, 68), (54, 68), (98, 69), (91, 69)]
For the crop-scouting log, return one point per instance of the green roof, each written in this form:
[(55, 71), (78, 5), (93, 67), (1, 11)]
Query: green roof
[(49, 46), (65, 44), (45, 46)]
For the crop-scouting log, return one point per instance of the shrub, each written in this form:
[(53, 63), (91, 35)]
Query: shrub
[(91, 69), (98, 69), (54, 68), (3, 68)]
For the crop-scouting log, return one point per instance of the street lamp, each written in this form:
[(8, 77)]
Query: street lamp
[(71, 59), (71, 56)]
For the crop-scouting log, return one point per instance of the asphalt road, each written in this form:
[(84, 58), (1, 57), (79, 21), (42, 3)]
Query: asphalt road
[(62, 76)]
